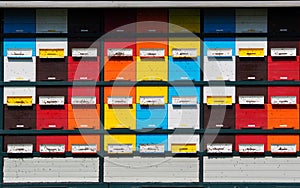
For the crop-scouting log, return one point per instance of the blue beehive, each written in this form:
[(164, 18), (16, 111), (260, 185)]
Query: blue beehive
[(152, 139), (17, 43), (184, 91), (219, 21), (219, 43), (151, 116), (19, 21), (184, 69)]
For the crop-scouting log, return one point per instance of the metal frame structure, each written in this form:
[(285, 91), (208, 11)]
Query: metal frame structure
[(102, 84)]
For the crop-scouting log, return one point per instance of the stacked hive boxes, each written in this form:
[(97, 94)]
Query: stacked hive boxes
[(120, 102), (19, 66), (163, 47)]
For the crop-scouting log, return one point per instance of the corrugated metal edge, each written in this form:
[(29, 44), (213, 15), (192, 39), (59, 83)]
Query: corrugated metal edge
[(137, 4)]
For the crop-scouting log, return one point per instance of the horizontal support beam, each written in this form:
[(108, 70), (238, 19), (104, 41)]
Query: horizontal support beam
[(142, 4), (138, 154), (154, 131), (156, 185), (151, 83), (115, 35)]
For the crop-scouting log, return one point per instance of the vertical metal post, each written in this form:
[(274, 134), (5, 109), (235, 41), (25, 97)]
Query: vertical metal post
[(1, 98), (101, 170), (201, 95)]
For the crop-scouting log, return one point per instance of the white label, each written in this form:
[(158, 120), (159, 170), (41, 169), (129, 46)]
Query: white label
[(283, 29), (52, 148), (51, 78), (283, 126), (84, 148), (219, 52), (184, 52), (251, 148), (52, 126), (283, 148), (19, 53), (119, 148), (19, 148), (119, 100), (283, 52), (83, 78), (84, 52), (184, 100), (219, 148), (120, 52), (152, 100), (19, 126), (251, 77), (152, 148), (283, 78), (152, 53), (219, 125), (51, 100), (283, 100), (251, 126), (82, 100), (251, 99)]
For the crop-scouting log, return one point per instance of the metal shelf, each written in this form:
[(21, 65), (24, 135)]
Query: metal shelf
[(109, 35), (157, 184), (150, 83), (33, 35), (116, 35), (151, 131), (156, 155)]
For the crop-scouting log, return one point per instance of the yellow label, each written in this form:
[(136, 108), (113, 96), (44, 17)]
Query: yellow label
[(251, 52), (51, 53), (19, 101), (184, 148), (183, 125), (219, 100), (251, 30)]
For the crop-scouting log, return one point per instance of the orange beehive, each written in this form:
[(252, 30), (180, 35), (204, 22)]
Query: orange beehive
[(283, 139), (83, 140), (116, 66), (86, 116), (119, 91), (283, 116)]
